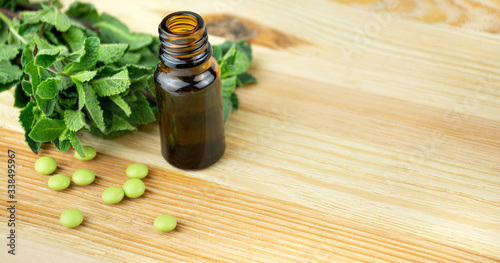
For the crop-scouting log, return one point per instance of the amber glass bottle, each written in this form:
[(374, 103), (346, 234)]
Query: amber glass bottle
[(188, 92)]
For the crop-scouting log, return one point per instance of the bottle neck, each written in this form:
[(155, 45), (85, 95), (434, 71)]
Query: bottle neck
[(184, 41)]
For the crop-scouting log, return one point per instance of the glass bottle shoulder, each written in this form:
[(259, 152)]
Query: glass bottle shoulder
[(187, 80)]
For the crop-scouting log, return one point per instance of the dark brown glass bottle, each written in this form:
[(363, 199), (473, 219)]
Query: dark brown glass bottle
[(188, 91)]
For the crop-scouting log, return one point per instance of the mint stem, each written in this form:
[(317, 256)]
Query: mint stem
[(4, 18), (10, 14)]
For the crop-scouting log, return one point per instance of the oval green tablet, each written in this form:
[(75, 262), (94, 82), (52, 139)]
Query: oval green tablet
[(83, 177), (45, 165), (71, 218), (134, 188), (137, 170), (112, 195), (89, 152), (165, 223), (58, 182)]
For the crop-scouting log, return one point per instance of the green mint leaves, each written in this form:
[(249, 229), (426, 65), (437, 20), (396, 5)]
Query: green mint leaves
[(81, 70), (234, 60)]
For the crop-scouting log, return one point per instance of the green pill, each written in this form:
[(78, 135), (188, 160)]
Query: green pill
[(112, 195), (165, 223), (71, 218), (83, 177), (137, 170), (134, 188), (89, 152), (58, 182), (45, 165)]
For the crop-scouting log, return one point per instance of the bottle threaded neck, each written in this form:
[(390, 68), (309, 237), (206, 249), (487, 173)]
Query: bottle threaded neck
[(184, 40)]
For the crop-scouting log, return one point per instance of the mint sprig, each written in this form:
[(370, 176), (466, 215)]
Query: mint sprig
[(81, 70)]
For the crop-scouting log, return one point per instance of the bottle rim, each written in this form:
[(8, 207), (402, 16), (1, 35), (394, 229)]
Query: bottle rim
[(166, 28)]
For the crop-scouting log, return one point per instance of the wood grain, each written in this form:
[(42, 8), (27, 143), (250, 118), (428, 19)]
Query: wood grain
[(481, 15), (215, 223), (379, 128)]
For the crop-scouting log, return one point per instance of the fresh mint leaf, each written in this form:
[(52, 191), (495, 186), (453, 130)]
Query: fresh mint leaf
[(27, 120), (31, 17), (67, 102), (228, 86), (217, 53), (47, 129), (114, 31), (115, 84), (88, 59), (224, 47), (119, 124), (150, 84), (246, 48), (51, 37), (227, 106), (96, 132), (137, 73), (130, 58), (46, 106), (75, 120), (235, 101), (9, 72), (47, 53), (20, 99), (47, 89), (92, 105), (84, 76), (109, 53), (241, 63), (63, 146), (245, 78), (27, 54), (64, 83), (118, 100), (227, 62), (27, 88), (27, 31), (52, 15), (235, 61), (69, 136), (141, 114), (81, 94), (147, 59), (37, 74), (108, 70), (74, 37), (8, 52), (7, 86), (83, 11), (75, 142)]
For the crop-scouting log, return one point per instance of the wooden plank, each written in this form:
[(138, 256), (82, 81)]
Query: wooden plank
[(361, 116), (215, 223)]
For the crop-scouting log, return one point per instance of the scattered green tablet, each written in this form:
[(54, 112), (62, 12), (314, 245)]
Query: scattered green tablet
[(134, 188), (137, 170), (165, 223), (112, 195), (45, 165), (58, 182), (83, 177), (71, 218), (89, 152)]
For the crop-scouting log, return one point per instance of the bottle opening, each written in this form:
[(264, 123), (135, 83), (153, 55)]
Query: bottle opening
[(184, 40), (183, 23)]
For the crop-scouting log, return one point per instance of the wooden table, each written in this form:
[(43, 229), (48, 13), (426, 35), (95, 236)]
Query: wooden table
[(373, 135)]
